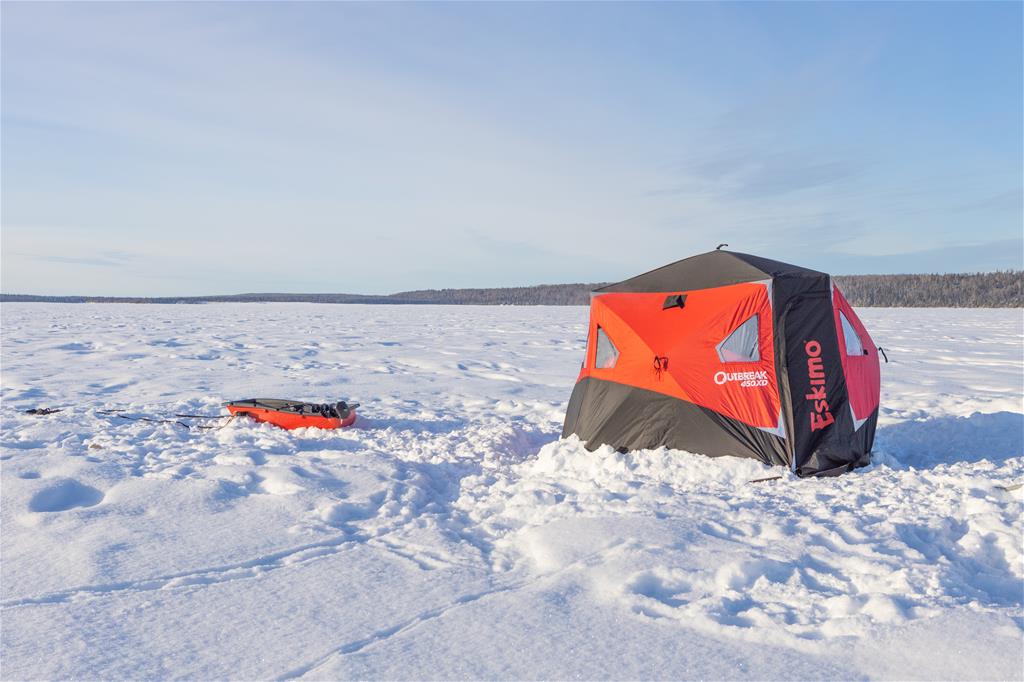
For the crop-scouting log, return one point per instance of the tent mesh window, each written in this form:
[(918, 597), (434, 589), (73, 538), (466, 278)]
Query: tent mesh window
[(853, 344), (742, 344), (607, 353)]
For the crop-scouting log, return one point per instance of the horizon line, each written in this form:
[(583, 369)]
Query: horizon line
[(482, 288)]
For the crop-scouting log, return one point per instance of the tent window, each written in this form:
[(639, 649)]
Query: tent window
[(742, 344), (853, 344), (607, 353)]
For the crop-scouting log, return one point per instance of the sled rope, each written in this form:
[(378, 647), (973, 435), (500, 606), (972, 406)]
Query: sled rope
[(117, 413), (42, 411)]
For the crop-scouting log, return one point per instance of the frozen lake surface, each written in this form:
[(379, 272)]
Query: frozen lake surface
[(451, 534)]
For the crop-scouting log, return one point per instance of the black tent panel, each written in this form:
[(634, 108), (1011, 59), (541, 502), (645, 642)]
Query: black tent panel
[(707, 270), (626, 417)]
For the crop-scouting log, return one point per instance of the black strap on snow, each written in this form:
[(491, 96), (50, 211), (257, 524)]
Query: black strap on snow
[(43, 410), (882, 351), (764, 480)]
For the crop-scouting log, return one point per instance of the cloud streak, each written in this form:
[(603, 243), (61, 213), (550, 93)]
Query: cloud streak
[(106, 259)]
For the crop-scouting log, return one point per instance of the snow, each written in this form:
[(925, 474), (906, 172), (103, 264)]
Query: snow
[(451, 534)]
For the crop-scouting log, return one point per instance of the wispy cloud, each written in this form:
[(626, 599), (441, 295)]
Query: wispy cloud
[(754, 173), (107, 259), (1010, 200)]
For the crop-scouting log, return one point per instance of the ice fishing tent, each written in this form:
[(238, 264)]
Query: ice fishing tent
[(729, 354)]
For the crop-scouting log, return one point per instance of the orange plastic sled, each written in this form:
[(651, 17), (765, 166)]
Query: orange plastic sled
[(293, 414)]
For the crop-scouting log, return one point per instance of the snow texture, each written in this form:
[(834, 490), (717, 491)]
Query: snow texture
[(451, 534)]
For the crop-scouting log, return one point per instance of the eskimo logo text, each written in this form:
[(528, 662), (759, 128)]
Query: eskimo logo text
[(821, 416), (746, 379)]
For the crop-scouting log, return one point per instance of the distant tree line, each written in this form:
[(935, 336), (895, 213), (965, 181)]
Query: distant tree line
[(542, 294), (974, 290), (979, 290), (227, 298)]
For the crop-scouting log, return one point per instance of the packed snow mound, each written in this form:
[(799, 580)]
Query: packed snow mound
[(452, 534)]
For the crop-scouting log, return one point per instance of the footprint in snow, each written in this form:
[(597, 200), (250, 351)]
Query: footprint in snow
[(75, 347), (64, 495), (167, 343), (666, 587)]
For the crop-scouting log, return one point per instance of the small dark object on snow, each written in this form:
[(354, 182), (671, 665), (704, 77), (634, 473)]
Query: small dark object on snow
[(43, 410)]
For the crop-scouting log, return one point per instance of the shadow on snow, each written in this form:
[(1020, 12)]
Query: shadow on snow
[(929, 443)]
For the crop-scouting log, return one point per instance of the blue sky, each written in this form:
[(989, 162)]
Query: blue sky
[(175, 149)]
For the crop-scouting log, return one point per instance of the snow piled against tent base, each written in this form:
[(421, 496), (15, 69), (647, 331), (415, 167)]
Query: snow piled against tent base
[(451, 534)]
